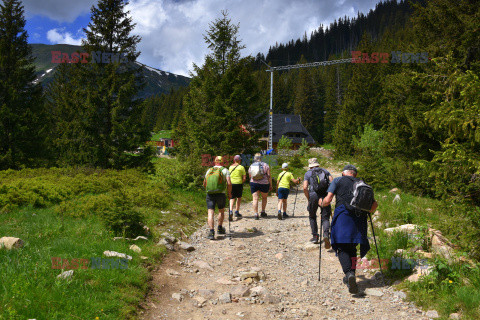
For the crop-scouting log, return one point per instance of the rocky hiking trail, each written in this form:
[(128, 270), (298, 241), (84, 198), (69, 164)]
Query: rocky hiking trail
[(267, 270)]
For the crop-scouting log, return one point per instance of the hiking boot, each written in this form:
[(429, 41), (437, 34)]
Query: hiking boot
[(237, 215), (263, 214), (351, 283), (230, 216), (256, 216), (315, 239), (279, 215), (211, 235), (326, 241), (221, 230), (285, 215)]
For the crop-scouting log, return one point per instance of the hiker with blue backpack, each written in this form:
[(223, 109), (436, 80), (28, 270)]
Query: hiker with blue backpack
[(354, 202), (260, 183), (315, 185), (283, 189), (216, 182)]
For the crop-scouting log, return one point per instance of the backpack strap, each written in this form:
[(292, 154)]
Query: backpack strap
[(234, 169), (282, 177)]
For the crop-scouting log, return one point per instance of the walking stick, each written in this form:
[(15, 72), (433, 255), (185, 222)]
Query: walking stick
[(295, 203), (376, 247), (320, 246)]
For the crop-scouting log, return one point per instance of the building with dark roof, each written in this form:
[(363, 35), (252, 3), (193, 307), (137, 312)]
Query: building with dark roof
[(290, 126)]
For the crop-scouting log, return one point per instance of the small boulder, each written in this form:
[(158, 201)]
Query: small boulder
[(186, 246), (10, 243), (116, 254), (65, 275), (178, 296), (240, 291), (373, 292), (279, 256), (409, 228), (250, 274), (168, 245), (225, 298), (202, 265), (433, 314), (310, 247), (199, 302), (206, 293), (394, 190), (258, 292), (135, 248), (397, 199), (172, 273), (454, 316)]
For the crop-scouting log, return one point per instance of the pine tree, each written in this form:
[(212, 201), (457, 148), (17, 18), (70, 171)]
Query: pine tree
[(21, 107), (112, 121), (222, 100)]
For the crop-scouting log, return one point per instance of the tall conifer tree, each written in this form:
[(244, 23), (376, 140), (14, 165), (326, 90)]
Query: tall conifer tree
[(111, 122), (21, 106)]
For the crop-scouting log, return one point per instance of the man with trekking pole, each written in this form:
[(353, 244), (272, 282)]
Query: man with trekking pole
[(354, 202), (315, 185)]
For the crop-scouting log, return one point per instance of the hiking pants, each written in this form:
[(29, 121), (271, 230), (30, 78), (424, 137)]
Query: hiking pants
[(345, 253), (325, 214)]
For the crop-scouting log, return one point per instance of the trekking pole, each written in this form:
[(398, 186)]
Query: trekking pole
[(320, 247), (295, 203), (376, 247)]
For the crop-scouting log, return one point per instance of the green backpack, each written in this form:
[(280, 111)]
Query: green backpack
[(216, 182)]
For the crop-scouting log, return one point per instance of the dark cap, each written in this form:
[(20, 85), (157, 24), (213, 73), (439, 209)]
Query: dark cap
[(349, 167)]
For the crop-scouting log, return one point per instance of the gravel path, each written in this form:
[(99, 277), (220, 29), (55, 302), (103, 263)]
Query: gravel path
[(267, 270)]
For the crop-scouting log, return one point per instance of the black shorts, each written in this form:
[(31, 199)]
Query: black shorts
[(254, 187), (237, 190), (218, 199)]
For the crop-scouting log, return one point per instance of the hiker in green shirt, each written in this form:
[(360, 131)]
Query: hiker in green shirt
[(238, 177), (283, 189), (216, 182)]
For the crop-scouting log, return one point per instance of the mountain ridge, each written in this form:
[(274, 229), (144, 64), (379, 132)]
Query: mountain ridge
[(157, 81)]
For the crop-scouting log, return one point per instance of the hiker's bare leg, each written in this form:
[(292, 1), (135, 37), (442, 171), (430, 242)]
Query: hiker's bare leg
[(221, 216), (232, 201), (239, 201), (264, 201), (284, 205), (255, 202), (211, 213), (280, 201)]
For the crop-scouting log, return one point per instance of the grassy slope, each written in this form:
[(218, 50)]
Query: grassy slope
[(70, 227)]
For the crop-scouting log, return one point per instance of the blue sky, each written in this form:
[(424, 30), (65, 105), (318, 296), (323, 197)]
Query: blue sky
[(172, 30)]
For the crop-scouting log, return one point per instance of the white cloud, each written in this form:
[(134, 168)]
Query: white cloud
[(172, 31), (56, 36), (59, 10)]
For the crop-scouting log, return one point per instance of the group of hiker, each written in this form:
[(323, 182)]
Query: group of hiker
[(348, 228)]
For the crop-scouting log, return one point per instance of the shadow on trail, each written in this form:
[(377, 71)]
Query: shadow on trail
[(246, 235)]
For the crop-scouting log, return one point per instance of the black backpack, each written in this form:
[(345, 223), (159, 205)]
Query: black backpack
[(363, 196), (319, 181)]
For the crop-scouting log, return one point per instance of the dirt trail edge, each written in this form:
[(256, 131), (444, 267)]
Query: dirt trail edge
[(268, 270)]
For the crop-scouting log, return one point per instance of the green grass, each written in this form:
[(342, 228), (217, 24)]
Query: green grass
[(451, 286), (63, 213), (166, 134)]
